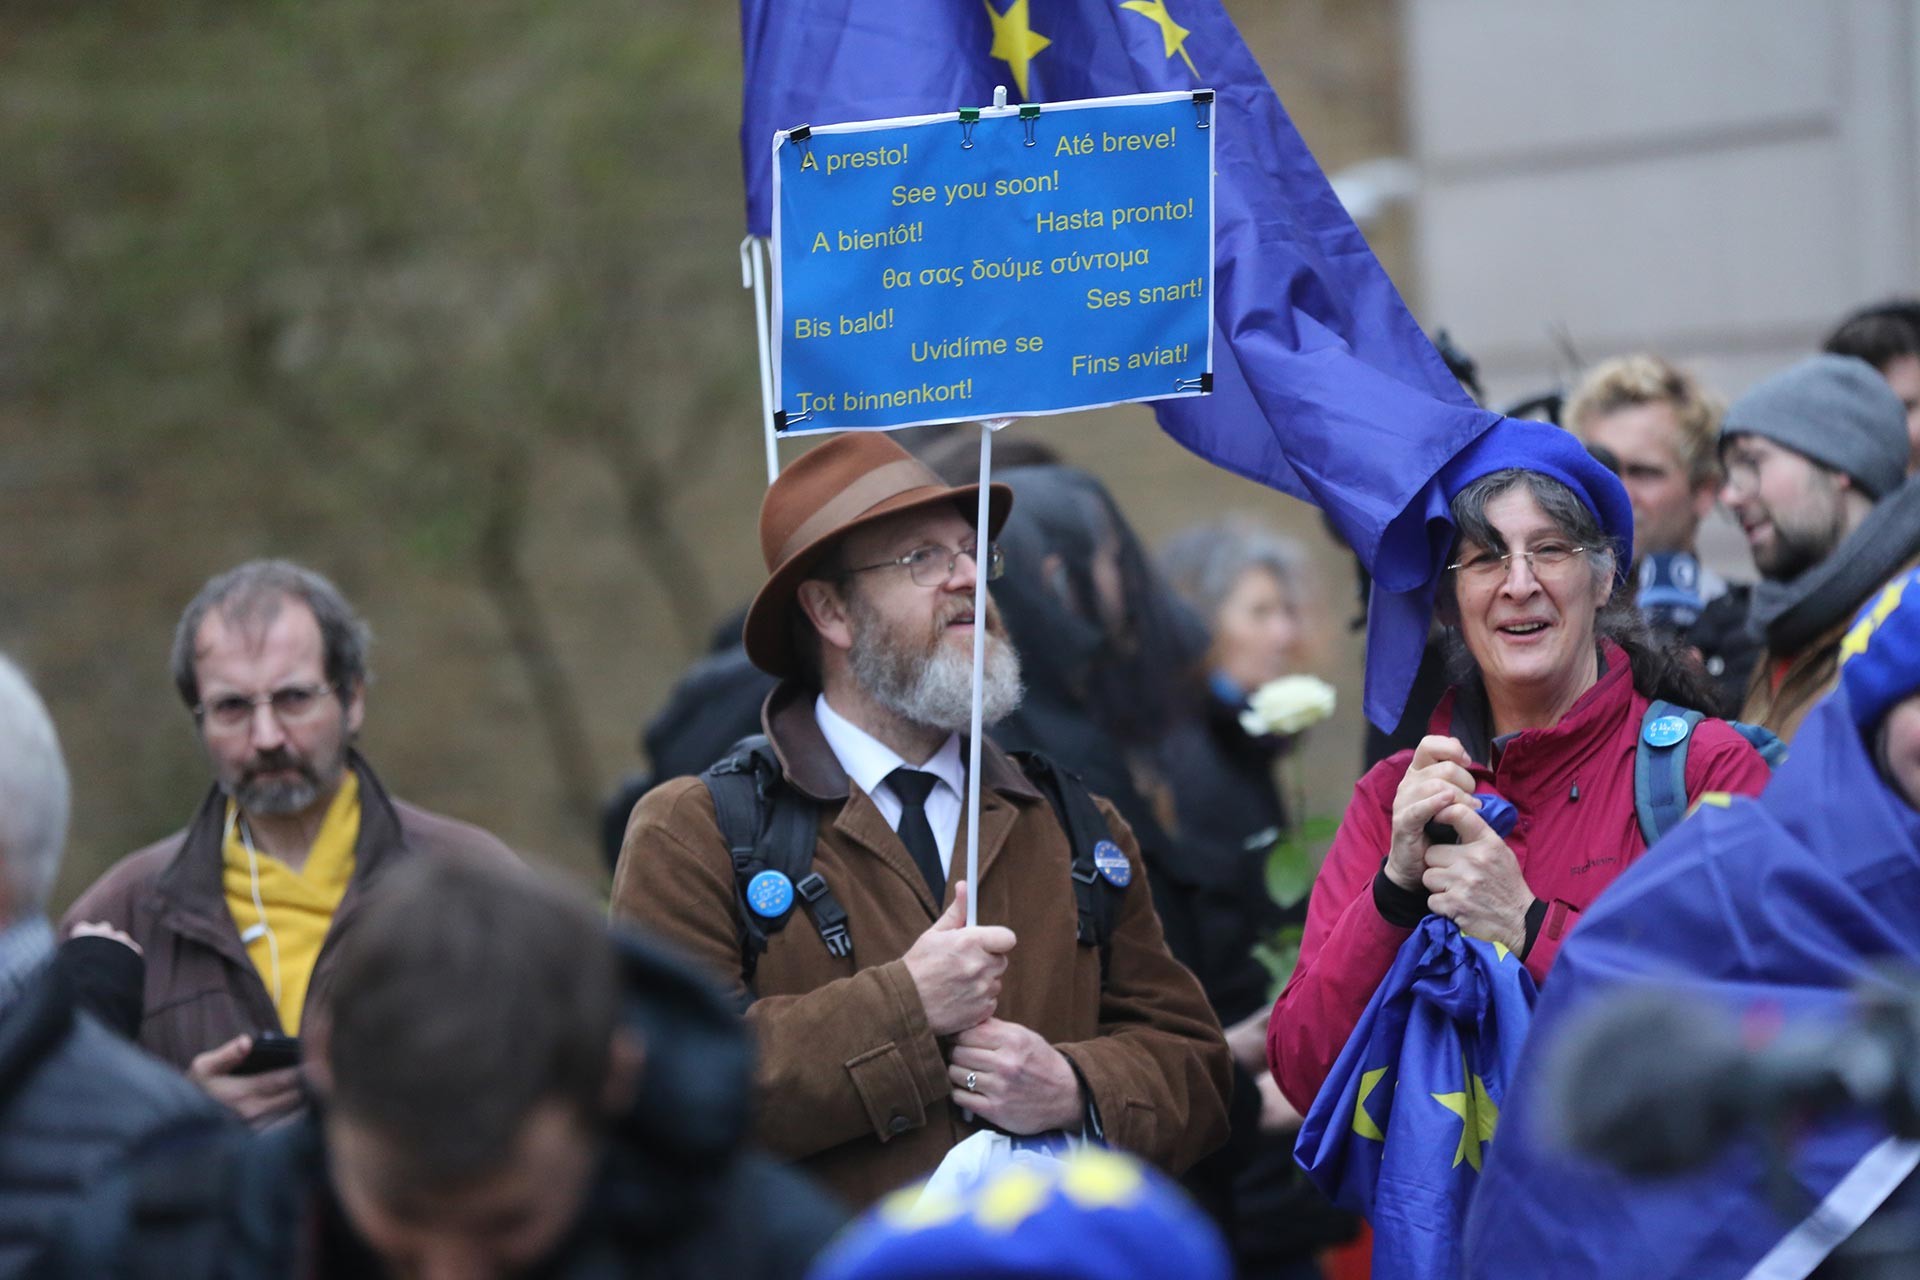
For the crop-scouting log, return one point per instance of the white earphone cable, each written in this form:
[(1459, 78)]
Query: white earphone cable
[(262, 929)]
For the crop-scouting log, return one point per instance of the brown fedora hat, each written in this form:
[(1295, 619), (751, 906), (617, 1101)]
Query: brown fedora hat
[(851, 480)]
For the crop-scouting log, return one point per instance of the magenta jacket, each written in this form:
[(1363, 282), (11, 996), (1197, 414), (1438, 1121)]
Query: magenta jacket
[(1569, 849)]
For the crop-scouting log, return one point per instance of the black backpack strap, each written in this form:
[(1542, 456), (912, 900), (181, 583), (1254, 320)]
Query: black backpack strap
[(768, 826), (737, 811), (792, 829), (1095, 897)]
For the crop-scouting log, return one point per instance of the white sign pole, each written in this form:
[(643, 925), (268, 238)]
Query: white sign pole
[(753, 275), (982, 525)]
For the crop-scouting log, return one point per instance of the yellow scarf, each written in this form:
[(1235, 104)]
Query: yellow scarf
[(296, 906)]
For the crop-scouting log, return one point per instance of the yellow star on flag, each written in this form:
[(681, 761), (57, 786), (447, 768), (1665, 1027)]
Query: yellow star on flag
[(1478, 1117), (1855, 641), (1013, 1196), (1096, 1179), (1015, 42), (1363, 1123), (1172, 32)]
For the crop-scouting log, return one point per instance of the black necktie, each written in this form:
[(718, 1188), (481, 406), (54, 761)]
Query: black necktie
[(912, 788)]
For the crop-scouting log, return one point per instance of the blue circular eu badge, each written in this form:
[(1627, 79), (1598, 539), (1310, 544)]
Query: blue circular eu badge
[(1666, 731), (770, 894), (1113, 864)]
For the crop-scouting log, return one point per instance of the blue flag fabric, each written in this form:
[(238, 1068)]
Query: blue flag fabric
[(1775, 907), (1324, 386), (1401, 1128)]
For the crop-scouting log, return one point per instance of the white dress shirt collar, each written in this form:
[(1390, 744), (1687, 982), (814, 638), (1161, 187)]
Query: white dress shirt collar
[(868, 761)]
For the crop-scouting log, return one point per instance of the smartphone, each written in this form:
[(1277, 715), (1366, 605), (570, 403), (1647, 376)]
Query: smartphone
[(271, 1051)]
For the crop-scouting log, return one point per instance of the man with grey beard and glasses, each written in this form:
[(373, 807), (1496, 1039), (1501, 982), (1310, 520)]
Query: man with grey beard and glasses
[(889, 1030), (238, 914)]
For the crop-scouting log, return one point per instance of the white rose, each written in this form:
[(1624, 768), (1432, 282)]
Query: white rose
[(1287, 705)]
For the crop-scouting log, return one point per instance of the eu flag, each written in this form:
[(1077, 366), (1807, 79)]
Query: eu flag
[(1402, 1127), (1324, 386), (1775, 907)]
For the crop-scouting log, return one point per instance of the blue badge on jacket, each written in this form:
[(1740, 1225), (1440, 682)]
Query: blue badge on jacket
[(1666, 731), (770, 894), (1113, 864)]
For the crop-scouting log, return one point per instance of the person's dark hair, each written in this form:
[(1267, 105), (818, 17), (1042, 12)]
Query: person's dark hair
[(1661, 668), (466, 995), (1099, 632), (1879, 334), (250, 595)]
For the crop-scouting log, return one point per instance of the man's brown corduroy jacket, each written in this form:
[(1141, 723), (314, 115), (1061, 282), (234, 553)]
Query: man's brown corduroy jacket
[(853, 1084)]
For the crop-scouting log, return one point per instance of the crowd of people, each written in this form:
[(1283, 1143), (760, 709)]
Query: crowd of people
[(322, 1031)]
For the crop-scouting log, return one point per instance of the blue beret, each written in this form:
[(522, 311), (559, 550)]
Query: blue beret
[(1880, 654), (1552, 451), (1092, 1215), (1400, 610)]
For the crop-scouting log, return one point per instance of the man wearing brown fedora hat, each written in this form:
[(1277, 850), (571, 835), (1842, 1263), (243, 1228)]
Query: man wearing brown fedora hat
[(889, 1037)]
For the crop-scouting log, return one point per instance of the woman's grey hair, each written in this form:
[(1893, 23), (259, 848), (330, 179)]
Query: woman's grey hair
[(250, 596), (34, 796), (1204, 562)]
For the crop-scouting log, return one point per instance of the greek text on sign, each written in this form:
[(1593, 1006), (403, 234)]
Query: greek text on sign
[(1029, 261)]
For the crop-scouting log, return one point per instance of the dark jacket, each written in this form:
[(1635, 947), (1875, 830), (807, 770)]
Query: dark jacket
[(80, 1108), (201, 988), (853, 1082), (677, 1196), (1230, 815), (1729, 647), (106, 978)]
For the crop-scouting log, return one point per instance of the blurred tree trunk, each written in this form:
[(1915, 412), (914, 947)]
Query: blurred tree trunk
[(645, 485), (503, 578)]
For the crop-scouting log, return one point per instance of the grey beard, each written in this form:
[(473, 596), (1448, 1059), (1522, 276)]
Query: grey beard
[(938, 692), (277, 799)]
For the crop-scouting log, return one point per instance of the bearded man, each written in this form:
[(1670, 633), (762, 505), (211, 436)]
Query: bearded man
[(239, 913), (1816, 473), (878, 1057)]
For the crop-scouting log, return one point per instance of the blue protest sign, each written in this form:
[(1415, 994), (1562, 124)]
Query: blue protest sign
[(995, 263)]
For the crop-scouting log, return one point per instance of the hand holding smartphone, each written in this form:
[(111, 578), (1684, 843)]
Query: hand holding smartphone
[(271, 1051)]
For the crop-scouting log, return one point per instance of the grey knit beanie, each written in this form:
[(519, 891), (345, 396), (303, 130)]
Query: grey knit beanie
[(1836, 410)]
